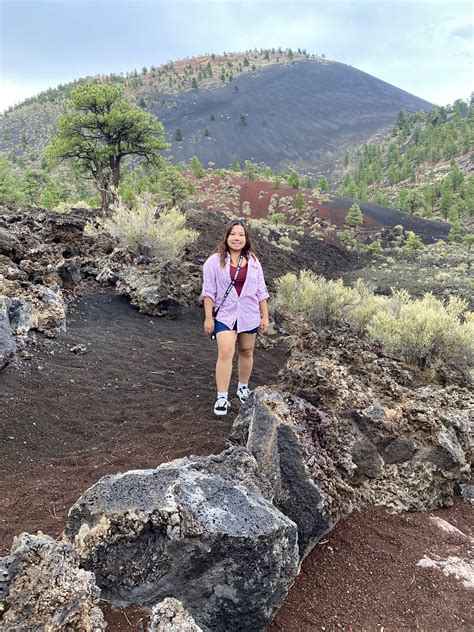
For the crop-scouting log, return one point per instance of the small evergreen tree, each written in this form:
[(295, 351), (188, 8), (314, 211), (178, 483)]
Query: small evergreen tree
[(355, 216), (50, 198), (250, 170), (413, 243), (172, 185), (323, 184), (299, 201), (196, 167), (178, 135), (243, 119), (454, 234), (293, 180), (235, 166), (468, 240), (346, 238), (375, 248)]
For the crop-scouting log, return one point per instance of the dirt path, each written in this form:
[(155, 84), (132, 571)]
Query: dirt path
[(142, 395)]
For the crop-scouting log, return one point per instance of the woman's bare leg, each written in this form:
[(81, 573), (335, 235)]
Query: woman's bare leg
[(225, 353), (246, 344)]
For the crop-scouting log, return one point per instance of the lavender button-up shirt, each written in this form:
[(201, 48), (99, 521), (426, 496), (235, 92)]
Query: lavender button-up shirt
[(245, 308)]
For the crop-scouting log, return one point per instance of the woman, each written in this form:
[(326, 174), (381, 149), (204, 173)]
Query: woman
[(234, 285)]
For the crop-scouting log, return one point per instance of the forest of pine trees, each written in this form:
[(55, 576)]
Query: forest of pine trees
[(402, 171)]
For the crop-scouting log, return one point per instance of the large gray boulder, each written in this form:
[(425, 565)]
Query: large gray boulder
[(201, 529), (43, 590), (49, 310), (161, 289), (286, 435), (7, 342)]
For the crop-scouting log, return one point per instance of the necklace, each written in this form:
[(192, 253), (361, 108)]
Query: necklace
[(234, 264)]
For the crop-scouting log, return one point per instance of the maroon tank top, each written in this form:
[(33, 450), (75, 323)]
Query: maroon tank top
[(240, 280)]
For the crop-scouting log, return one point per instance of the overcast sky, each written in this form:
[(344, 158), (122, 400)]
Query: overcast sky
[(423, 47)]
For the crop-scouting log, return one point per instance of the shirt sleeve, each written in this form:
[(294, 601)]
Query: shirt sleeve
[(262, 292), (209, 285)]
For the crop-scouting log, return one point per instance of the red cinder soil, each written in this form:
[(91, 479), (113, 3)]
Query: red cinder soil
[(143, 395)]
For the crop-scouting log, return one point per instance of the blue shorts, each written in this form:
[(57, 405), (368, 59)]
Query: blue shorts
[(221, 327)]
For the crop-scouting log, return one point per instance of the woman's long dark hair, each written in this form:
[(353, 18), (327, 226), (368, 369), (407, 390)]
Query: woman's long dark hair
[(223, 248)]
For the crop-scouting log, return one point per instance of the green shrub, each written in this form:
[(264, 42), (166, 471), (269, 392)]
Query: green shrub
[(276, 218), (425, 331), (360, 314), (324, 301), (374, 248), (142, 232)]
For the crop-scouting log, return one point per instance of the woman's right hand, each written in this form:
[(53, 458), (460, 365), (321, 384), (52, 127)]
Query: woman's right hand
[(209, 326)]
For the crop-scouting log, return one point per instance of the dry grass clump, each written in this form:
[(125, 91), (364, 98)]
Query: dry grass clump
[(423, 331), (142, 231)]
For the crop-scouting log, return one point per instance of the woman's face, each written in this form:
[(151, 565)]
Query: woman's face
[(236, 239)]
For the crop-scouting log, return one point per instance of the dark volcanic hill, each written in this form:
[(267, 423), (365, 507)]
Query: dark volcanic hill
[(300, 115)]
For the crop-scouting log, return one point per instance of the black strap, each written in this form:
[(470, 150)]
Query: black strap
[(231, 284)]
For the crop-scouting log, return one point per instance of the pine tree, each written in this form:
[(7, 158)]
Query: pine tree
[(413, 243), (101, 130), (178, 135), (375, 248), (293, 180), (455, 234), (354, 217), (196, 167), (235, 166), (323, 184), (346, 238), (250, 170), (299, 201)]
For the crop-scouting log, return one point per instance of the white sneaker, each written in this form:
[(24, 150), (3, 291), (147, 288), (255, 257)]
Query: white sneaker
[(243, 393), (221, 406)]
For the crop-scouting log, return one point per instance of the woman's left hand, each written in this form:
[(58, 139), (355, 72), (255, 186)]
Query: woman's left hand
[(264, 325)]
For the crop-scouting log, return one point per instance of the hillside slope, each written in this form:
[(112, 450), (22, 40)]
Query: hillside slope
[(424, 166), (300, 115)]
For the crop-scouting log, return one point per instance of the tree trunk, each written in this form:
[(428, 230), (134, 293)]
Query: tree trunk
[(104, 206), (106, 197)]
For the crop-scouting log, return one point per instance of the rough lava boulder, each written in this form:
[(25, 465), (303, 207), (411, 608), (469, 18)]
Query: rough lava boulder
[(411, 441), (200, 529), (286, 435), (42, 588), (161, 290)]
